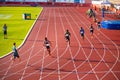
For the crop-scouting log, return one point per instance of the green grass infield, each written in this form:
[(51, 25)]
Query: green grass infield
[(17, 26)]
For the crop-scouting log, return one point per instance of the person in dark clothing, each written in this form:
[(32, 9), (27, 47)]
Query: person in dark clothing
[(90, 13), (91, 29), (82, 32), (47, 45), (15, 52), (5, 31), (67, 36), (98, 24)]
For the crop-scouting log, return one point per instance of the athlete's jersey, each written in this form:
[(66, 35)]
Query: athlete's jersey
[(82, 31), (15, 50), (67, 34), (91, 28), (47, 43)]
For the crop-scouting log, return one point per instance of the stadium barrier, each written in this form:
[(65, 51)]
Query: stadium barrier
[(43, 4)]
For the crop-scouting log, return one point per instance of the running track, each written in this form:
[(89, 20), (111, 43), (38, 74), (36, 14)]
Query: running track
[(96, 58)]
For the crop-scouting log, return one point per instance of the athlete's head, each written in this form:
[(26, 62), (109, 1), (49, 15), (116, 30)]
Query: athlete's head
[(45, 38), (67, 30)]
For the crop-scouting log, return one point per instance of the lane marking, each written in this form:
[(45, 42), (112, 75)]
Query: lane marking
[(110, 70)]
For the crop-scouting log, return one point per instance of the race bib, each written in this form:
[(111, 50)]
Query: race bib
[(67, 35), (81, 32), (47, 44), (91, 29)]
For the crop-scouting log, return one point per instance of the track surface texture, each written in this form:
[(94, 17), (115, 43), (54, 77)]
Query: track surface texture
[(94, 58)]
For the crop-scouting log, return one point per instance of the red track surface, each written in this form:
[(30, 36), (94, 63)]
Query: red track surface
[(96, 58)]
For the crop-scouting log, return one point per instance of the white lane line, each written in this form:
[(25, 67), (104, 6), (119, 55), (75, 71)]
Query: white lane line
[(68, 21), (25, 36), (32, 64), (104, 56), (44, 52), (59, 57), (10, 65), (107, 66), (105, 63), (74, 57), (58, 62), (72, 72), (3, 78), (20, 69), (110, 70), (23, 41), (43, 58), (112, 42), (48, 65), (89, 62), (17, 63), (57, 54), (26, 66), (90, 54), (69, 46), (117, 57), (62, 67), (84, 51), (38, 63), (75, 69), (112, 53)]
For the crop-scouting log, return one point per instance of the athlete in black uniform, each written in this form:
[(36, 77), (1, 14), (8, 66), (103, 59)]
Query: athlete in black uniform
[(47, 45), (67, 36)]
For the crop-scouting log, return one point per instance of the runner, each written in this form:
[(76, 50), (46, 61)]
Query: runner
[(67, 36), (91, 30), (47, 45), (98, 24), (5, 31), (82, 32), (15, 52)]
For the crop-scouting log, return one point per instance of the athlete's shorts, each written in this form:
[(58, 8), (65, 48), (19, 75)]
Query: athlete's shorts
[(91, 31), (16, 56), (67, 38), (82, 34), (98, 26), (5, 32), (48, 47)]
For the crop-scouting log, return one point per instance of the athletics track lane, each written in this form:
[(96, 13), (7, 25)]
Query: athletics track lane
[(94, 58)]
